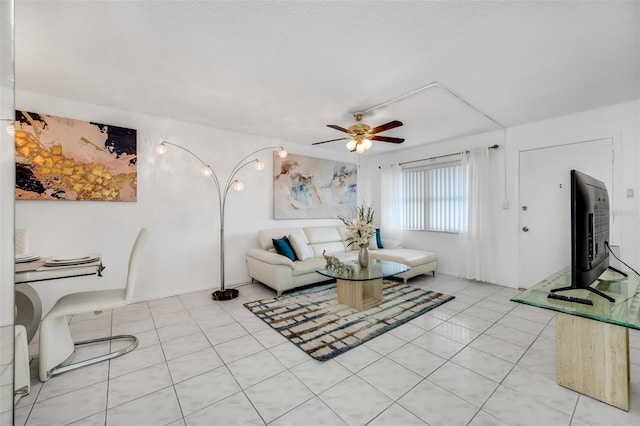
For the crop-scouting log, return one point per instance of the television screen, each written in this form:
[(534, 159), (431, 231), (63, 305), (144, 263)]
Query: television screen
[(589, 234), (589, 229)]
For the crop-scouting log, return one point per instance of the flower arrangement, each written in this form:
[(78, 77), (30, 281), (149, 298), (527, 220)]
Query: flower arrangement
[(362, 230)]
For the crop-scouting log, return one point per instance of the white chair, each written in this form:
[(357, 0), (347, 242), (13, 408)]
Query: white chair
[(56, 345), (21, 377), (28, 309)]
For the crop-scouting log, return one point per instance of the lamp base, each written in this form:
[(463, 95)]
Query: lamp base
[(228, 294)]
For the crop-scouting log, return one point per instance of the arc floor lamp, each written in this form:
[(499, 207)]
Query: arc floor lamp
[(222, 191)]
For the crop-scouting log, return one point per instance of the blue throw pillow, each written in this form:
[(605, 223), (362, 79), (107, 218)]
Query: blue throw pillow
[(378, 238), (283, 247)]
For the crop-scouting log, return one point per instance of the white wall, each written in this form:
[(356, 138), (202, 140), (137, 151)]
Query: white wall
[(620, 122), (179, 207)]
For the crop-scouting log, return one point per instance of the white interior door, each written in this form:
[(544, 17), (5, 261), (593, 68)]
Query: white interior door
[(545, 209)]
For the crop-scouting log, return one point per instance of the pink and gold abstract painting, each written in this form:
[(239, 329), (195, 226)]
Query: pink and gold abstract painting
[(66, 159)]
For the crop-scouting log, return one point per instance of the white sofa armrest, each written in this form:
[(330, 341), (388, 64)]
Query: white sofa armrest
[(269, 257), (391, 244)]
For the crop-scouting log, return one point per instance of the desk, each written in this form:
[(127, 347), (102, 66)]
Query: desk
[(363, 288), (29, 272), (592, 342), (27, 302)]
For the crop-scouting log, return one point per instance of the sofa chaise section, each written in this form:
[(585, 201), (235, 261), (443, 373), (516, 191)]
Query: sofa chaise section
[(420, 262)]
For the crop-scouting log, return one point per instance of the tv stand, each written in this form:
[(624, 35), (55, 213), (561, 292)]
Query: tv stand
[(617, 271), (593, 290), (592, 342)]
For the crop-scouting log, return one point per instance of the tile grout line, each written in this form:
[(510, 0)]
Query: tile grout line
[(538, 339)]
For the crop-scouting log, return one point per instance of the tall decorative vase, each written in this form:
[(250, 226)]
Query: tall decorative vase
[(363, 256)]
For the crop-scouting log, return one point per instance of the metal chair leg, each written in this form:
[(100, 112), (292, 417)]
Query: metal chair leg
[(63, 367)]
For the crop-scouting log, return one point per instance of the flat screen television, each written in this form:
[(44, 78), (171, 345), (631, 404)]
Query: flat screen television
[(589, 232)]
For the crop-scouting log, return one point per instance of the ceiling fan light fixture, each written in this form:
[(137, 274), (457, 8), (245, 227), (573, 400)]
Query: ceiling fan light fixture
[(361, 135)]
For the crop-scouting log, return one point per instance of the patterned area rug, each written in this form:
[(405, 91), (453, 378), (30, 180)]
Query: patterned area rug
[(315, 322)]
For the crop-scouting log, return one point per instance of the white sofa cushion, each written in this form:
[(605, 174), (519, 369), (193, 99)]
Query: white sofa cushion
[(325, 239), (322, 234), (300, 246), (327, 248), (309, 266), (407, 257)]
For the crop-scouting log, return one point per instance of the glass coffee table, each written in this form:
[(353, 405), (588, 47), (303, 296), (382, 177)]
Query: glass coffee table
[(362, 289), (592, 341)]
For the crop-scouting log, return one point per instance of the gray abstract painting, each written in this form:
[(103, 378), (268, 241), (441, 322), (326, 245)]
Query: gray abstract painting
[(313, 188)]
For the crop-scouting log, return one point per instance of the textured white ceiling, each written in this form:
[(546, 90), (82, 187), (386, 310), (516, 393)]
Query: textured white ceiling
[(286, 69)]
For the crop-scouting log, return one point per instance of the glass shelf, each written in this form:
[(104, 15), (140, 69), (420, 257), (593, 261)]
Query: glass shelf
[(625, 311)]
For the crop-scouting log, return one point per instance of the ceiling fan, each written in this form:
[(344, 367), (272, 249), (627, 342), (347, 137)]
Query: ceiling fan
[(361, 134)]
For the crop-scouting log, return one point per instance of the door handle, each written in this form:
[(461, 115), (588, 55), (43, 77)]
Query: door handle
[(525, 229)]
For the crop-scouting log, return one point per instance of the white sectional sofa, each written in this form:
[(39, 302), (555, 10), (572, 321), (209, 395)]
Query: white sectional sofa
[(282, 274)]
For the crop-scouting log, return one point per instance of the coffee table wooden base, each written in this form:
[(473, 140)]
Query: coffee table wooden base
[(592, 358), (360, 295)]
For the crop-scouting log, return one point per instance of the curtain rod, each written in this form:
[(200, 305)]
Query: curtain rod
[(496, 146)]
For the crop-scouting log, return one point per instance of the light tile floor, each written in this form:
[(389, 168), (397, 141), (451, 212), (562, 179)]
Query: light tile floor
[(477, 360)]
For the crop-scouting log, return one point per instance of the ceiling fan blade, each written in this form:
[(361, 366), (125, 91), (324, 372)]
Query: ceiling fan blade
[(387, 139), (330, 140), (342, 129), (381, 128)]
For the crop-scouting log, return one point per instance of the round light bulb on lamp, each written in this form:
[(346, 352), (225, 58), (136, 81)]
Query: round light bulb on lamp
[(367, 143), (351, 145), (205, 171), (283, 153), (161, 149), (238, 186), (259, 165), (360, 148)]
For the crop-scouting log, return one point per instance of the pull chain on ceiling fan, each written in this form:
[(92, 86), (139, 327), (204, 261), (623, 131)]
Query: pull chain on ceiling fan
[(361, 134)]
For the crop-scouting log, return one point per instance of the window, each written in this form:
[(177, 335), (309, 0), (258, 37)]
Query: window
[(433, 197)]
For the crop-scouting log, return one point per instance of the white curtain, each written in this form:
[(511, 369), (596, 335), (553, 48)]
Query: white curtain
[(391, 197), (478, 235)]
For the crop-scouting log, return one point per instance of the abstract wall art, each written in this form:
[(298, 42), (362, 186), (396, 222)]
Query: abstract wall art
[(313, 188), (65, 159)]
